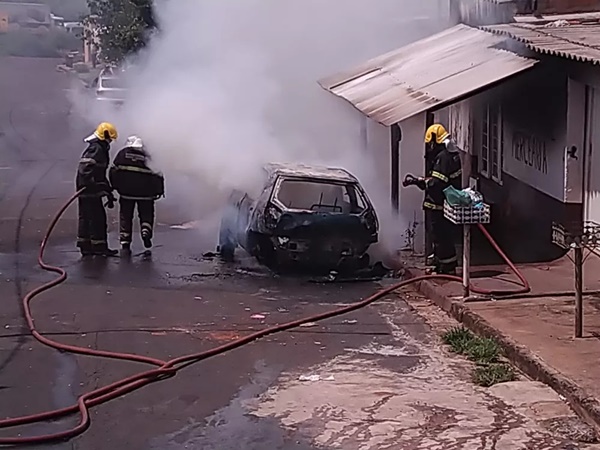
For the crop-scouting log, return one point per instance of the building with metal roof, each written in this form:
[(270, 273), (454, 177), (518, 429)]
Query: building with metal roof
[(430, 73), (580, 42), (514, 113)]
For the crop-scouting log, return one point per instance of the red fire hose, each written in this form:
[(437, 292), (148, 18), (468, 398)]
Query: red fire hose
[(167, 369)]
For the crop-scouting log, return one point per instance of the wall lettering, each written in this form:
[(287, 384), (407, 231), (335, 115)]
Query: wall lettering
[(530, 151)]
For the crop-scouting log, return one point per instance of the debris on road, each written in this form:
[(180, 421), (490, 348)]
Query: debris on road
[(185, 226), (258, 316), (308, 325), (350, 322), (314, 378)]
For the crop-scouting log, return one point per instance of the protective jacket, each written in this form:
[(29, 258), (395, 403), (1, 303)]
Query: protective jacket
[(445, 171), (131, 177), (91, 172)]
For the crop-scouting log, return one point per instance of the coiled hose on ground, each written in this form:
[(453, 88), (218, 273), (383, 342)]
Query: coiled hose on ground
[(166, 369)]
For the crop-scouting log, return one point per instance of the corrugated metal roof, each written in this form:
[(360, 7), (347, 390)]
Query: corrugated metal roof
[(427, 73), (542, 19), (580, 42)]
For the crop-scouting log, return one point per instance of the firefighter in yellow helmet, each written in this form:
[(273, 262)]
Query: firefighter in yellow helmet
[(91, 177), (443, 169)]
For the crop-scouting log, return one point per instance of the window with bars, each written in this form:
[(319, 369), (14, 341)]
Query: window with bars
[(490, 158)]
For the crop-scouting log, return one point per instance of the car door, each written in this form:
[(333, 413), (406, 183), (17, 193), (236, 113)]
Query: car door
[(244, 212)]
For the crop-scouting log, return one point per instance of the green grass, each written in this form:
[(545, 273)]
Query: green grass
[(484, 352), (489, 375)]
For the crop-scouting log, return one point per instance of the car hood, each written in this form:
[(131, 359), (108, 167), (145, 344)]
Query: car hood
[(307, 224)]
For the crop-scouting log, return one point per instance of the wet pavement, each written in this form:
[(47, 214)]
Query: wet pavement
[(373, 379)]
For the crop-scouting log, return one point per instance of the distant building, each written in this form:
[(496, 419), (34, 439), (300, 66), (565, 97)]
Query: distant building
[(3, 22), (27, 15), (491, 12)]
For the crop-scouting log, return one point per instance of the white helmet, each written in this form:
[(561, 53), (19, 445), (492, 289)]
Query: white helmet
[(134, 142)]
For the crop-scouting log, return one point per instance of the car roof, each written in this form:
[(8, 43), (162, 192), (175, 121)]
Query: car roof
[(310, 171)]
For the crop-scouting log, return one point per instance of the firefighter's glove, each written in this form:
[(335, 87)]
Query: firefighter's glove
[(411, 180), (110, 200)]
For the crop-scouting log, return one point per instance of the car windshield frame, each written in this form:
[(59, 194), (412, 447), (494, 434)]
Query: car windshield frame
[(358, 191), (106, 81)]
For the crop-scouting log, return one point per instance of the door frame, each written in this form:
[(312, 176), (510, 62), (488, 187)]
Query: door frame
[(588, 139)]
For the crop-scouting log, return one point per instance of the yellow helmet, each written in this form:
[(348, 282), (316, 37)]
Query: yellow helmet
[(106, 131), (440, 133)]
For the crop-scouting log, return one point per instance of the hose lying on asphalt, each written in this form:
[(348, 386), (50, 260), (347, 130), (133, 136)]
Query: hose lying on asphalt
[(167, 369)]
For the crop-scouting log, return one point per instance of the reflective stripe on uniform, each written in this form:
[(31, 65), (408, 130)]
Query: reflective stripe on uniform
[(456, 174), (448, 260), (87, 161), (430, 205), (439, 176), (98, 242), (146, 225), (129, 197), (134, 169)]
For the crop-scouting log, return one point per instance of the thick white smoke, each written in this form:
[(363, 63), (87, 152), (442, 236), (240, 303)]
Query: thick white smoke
[(231, 84)]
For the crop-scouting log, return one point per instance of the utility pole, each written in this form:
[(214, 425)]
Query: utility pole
[(578, 260)]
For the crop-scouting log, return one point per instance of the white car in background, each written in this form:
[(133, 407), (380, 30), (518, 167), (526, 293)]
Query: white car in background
[(110, 86)]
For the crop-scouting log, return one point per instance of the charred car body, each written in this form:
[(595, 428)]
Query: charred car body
[(310, 217)]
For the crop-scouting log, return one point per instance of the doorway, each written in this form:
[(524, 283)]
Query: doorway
[(592, 155)]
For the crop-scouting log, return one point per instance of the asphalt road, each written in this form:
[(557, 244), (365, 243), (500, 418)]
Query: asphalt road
[(373, 379)]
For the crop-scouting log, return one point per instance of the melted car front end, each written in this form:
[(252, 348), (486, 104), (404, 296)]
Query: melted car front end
[(320, 224), (308, 218)]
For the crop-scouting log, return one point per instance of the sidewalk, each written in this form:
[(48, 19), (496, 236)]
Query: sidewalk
[(536, 332)]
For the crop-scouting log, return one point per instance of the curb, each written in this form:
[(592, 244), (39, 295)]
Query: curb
[(584, 404)]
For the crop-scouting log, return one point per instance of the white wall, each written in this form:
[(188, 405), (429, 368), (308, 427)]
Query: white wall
[(590, 75), (535, 159), (576, 130), (412, 161), (378, 143), (534, 129)]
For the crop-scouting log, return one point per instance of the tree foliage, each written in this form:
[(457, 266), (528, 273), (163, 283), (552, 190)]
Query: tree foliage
[(122, 26)]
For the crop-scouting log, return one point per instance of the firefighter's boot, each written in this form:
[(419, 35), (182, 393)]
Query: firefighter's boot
[(85, 248), (103, 250), (445, 269), (147, 238)]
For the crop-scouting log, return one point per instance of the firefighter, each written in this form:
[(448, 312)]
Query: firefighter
[(443, 169), (137, 185), (91, 177)]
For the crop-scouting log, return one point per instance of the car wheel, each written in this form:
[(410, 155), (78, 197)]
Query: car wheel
[(227, 243), (266, 254)]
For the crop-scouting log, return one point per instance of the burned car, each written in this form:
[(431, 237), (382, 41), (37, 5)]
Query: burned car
[(305, 217)]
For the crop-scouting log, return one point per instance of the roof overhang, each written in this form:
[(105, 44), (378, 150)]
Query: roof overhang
[(580, 42), (427, 74)]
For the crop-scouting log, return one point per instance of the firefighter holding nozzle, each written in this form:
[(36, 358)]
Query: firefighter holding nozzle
[(443, 168), (94, 186)]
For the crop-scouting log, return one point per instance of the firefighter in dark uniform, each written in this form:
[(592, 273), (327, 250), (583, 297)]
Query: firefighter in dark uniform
[(137, 185), (443, 169), (91, 177)]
